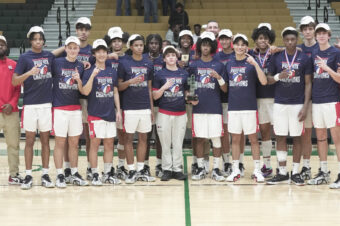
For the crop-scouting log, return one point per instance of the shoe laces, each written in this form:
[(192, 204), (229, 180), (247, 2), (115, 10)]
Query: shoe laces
[(122, 168), (46, 177), (78, 175), (61, 178), (131, 173)]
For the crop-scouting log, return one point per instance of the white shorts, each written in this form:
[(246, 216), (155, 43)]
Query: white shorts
[(119, 124), (309, 118), (207, 125), (265, 110), (37, 117), (225, 113), (326, 115), (286, 120), (137, 121), (67, 123), (102, 129), (188, 108), (243, 121), (83, 103), (155, 112)]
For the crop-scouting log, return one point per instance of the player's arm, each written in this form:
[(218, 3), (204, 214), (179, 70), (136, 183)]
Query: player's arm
[(277, 77), (117, 104), (158, 93), (335, 75), (19, 79), (220, 80), (76, 76), (86, 90), (308, 94), (151, 100), (58, 52), (260, 74)]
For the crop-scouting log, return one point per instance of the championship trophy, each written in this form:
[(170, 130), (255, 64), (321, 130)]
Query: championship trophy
[(185, 59), (193, 86)]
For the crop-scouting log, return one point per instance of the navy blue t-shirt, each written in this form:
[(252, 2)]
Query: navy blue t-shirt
[(242, 79), (291, 90), (309, 50), (325, 89), (173, 99), (65, 88), (224, 59), (101, 98), (37, 88), (208, 89), (136, 96)]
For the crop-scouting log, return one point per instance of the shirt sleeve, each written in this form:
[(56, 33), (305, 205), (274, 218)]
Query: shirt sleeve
[(156, 84), (21, 66)]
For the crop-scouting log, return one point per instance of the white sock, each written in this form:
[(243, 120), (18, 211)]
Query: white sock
[(74, 170), (216, 162), (257, 165), (29, 172), (266, 162), (266, 147), (281, 157), (282, 170), (94, 170), (140, 166), (146, 162), (295, 168), (226, 157), (194, 159), (131, 167), (88, 165), (107, 167), (236, 164), (67, 165), (200, 162), (159, 161), (241, 157), (44, 171), (121, 162), (306, 163), (60, 171), (324, 167)]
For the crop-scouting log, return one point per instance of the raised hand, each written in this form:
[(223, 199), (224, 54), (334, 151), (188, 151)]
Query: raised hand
[(214, 74), (35, 70)]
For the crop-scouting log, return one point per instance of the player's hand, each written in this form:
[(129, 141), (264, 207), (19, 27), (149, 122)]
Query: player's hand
[(34, 71), (194, 102), (168, 84), (76, 75), (113, 56), (322, 64), (251, 60), (275, 49), (181, 64), (7, 109), (337, 44), (95, 72), (302, 114), (214, 74), (87, 65), (137, 80), (118, 116), (284, 74)]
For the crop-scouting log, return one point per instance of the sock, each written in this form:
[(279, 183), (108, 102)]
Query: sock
[(323, 165), (282, 170), (282, 157), (266, 147), (107, 167), (226, 157), (121, 162), (241, 157), (257, 165), (194, 159), (159, 161), (44, 171), (88, 165), (67, 165), (94, 170), (306, 163), (74, 170), (29, 172), (59, 171), (295, 168), (140, 166), (200, 162), (131, 167), (146, 162), (216, 162), (266, 162), (236, 164)]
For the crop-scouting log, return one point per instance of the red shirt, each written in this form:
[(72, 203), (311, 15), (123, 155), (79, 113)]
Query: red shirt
[(9, 94), (219, 46)]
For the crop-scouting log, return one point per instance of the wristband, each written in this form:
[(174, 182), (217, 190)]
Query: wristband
[(221, 81), (277, 77)]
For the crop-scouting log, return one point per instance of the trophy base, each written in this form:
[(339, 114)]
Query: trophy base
[(192, 98)]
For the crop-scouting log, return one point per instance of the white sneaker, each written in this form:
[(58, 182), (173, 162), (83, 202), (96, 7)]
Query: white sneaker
[(217, 175), (27, 183), (96, 180), (46, 181), (320, 178), (143, 175), (257, 176), (199, 174), (335, 184), (234, 176), (60, 181), (76, 179), (131, 178), (110, 177)]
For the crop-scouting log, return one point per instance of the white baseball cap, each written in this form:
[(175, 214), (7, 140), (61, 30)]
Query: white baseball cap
[(115, 32), (132, 37), (225, 32), (306, 20), (34, 29), (267, 25), (170, 47), (99, 42), (208, 34), (238, 35), (322, 25), (3, 39), (72, 39), (204, 26), (83, 20), (185, 32), (288, 29)]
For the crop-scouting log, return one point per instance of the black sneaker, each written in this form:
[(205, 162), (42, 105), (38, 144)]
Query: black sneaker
[(179, 176), (199, 174), (227, 169), (320, 178), (122, 173), (16, 180), (67, 172), (46, 181), (147, 170), (89, 175), (159, 170), (306, 173), (241, 167), (131, 178), (297, 179), (279, 179), (194, 168), (167, 175), (27, 183), (60, 181)]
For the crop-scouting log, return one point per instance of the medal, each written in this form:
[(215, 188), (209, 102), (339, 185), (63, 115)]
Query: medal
[(290, 64), (264, 59)]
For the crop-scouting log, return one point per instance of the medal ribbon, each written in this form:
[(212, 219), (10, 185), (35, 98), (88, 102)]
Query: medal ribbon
[(290, 63), (263, 60)]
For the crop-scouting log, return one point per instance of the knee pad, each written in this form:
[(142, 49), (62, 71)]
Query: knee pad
[(120, 146), (216, 142)]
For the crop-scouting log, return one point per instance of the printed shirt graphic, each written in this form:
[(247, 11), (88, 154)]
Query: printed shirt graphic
[(65, 88), (325, 89), (136, 96), (173, 100), (37, 88), (208, 89), (292, 89), (101, 98), (242, 78)]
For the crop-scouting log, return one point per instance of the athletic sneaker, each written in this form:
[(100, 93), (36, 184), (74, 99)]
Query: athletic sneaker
[(167, 175), (122, 173), (257, 176), (89, 175), (16, 180), (306, 173), (144, 175), (227, 169), (77, 179), (217, 175), (179, 176), (194, 168), (279, 179), (320, 178), (46, 181), (27, 183), (266, 172), (131, 178), (159, 170), (335, 184), (60, 181), (234, 176), (147, 170), (110, 177), (68, 175), (96, 180), (297, 179), (241, 166), (206, 166), (199, 174)]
